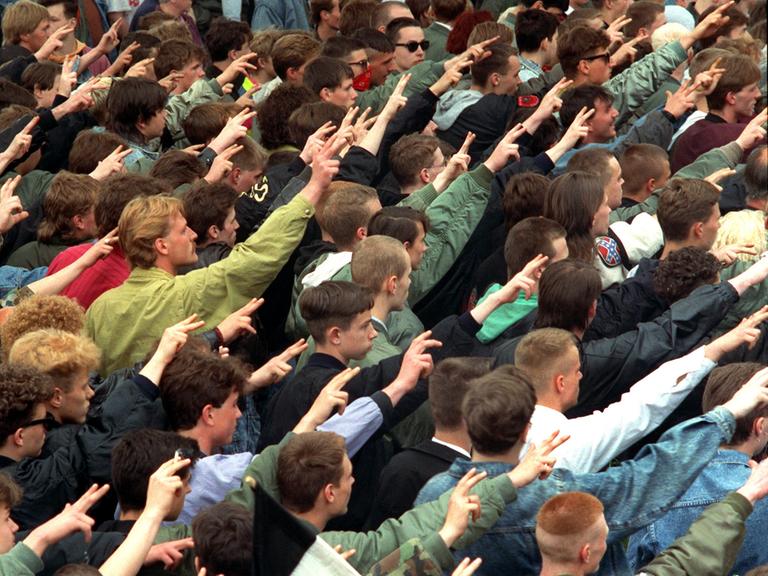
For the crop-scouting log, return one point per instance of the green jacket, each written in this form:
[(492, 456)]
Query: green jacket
[(126, 320), (20, 561), (437, 34), (710, 546), (423, 75), (724, 157), (422, 522)]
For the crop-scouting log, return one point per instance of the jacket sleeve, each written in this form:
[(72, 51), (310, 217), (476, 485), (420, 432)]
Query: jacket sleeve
[(424, 521), (358, 165), (180, 105), (20, 561), (711, 544), (453, 217), (227, 285), (657, 127), (423, 75), (641, 80)]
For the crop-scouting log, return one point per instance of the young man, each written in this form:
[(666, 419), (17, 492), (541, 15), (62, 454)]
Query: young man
[(444, 13), (210, 212), (178, 9), (380, 52), (26, 27), (223, 535), (290, 55), (408, 471), (550, 358), (410, 45), (415, 160), (726, 472), (324, 16), (689, 214), (645, 168), (331, 80), (497, 410), (183, 57), (157, 241), (536, 34), (731, 104), (354, 52), (226, 41)]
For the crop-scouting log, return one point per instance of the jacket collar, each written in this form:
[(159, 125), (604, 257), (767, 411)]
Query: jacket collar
[(321, 360)]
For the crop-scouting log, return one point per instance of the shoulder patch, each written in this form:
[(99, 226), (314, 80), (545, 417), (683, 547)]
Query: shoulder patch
[(608, 251), (529, 101)]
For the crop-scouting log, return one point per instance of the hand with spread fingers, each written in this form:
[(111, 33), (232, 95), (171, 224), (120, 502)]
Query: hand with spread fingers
[(538, 461), (331, 398), (463, 507), (276, 368)]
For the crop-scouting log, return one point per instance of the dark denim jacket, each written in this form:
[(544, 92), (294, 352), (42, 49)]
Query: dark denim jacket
[(727, 472), (634, 494)]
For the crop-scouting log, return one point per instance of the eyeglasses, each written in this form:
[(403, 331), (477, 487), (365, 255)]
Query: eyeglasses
[(48, 423), (606, 56), (412, 46), (362, 63)]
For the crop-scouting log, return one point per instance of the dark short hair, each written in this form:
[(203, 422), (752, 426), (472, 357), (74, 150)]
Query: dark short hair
[(449, 384), (307, 118), (740, 71), (641, 162), (576, 44), (307, 463), (40, 75), (70, 6), (91, 147), (524, 196), (595, 161), (147, 44), (582, 96), (356, 15), (136, 457), (274, 111), (223, 535), (205, 121), (374, 40), (325, 72), (133, 100), (333, 303), (224, 35), (643, 14), (567, 291), (398, 24), (175, 55), (342, 46), (496, 62), (399, 222), (21, 389), (683, 271), (529, 238), (207, 205), (195, 379), (756, 174), (347, 209), (532, 27), (722, 384), (683, 203), (497, 409), (291, 51), (117, 191), (409, 155), (176, 167)]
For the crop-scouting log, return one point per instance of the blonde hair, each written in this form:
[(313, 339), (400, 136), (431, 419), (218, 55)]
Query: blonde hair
[(20, 18), (39, 311), (669, 32), (540, 354), (59, 354), (144, 220), (376, 259), (743, 227)]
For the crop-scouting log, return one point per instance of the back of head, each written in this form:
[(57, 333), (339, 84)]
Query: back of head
[(386, 12), (195, 379), (143, 220), (740, 72), (41, 75), (524, 197), (70, 195), (356, 15), (683, 271), (669, 32), (226, 35), (457, 41), (147, 44), (400, 222), (61, 355), (166, 30), (448, 385), (410, 155), (346, 211), (756, 174), (448, 10), (565, 523), (264, 40), (205, 121), (176, 167), (595, 161), (497, 409), (532, 27), (333, 303), (274, 111), (307, 118), (21, 18), (292, 51), (374, 40), (138, 455), (91, 147), (567, 292), (223, 537), (306, 464), (207, 205), (723, 382), (486, 30), (21, 389), (341, 47), (324, 72), (117, 191), (132, 100), (542, 355), (77, 570), (10, 492), (643, 14), (743, 227), (529, 238), (13, 94), (496, 62), (683, 203), (641, 162), (577, 44), (37, 312), (704, 59), (577, 98), (376, 259)]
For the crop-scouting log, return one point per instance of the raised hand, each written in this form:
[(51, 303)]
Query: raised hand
[(21, 143), (222, 164), (467, 567), (524, 280), (708, 79), (164, 487), (712, 23), (627, 50), (53, 43), (451, 76), (11, 210), (750, 396), (171, 81), (239, 322), (615, 28), (538, 461), (756, 486), (682, 100), (100, 249), (505, 150), (246, 100), (169, 553), (110, 39), (123, 59), (315, 142), (754, 131), (747, 332), (728, 254), (233, 130), (474, 53), (719, 175), (457, 165), (324, 168), (112, 164), (276, 368), (174, 337), (68, 78), (577, 130), (140, 69), (330, 398), (362, 125), (396, 100), (462, 507), (241, 65), (417, 361)]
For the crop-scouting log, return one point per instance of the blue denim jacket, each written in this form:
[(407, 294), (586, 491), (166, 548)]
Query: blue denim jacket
[(634, 494), (726, 472)]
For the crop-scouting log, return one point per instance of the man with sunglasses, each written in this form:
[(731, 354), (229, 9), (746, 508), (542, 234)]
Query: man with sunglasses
[(410, 46)]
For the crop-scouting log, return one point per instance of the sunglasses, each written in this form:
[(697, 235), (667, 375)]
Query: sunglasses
[(48, 423), (362, 63), (606, 56), (412, 46)]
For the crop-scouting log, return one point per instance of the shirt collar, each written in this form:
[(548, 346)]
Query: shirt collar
[(321, 360), (454, 447)]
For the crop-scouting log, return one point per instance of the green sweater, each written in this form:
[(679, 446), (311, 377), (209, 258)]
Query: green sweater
[(505, 315), (20, 561)]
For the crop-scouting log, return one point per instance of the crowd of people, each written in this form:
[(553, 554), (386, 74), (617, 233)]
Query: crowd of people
[(377, 287)]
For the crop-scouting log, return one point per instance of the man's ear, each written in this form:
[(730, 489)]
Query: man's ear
[(232, 55), (538, 5), (206, 415), (759, 426), (583, 67), (650, 185), (333, 335), (57, 397), (78, 221), (329, 494), (161, 246), (495, 79), (559, 383), (390, 284), (361, 233), (424, 176), (584, 554), (698, 229), (18, 438), (213, 232), (325, 94)]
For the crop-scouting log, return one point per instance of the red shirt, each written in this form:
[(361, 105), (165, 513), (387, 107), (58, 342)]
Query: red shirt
[(106, 274)]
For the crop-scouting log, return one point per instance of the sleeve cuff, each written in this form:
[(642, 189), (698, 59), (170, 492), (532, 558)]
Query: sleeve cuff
[(146, 386), (505, 488), (206, 157), (482, 175), (440, 552), (468, 324), (544, 163), (740, 504), (385, 406)]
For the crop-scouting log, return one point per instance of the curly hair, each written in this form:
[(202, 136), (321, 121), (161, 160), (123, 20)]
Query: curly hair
[(275, 111), (683, 271), (39, 312), (21, 389)]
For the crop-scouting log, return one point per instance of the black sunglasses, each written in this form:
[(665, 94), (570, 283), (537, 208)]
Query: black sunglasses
[(412, 46), (48, 423), (606, 56)]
